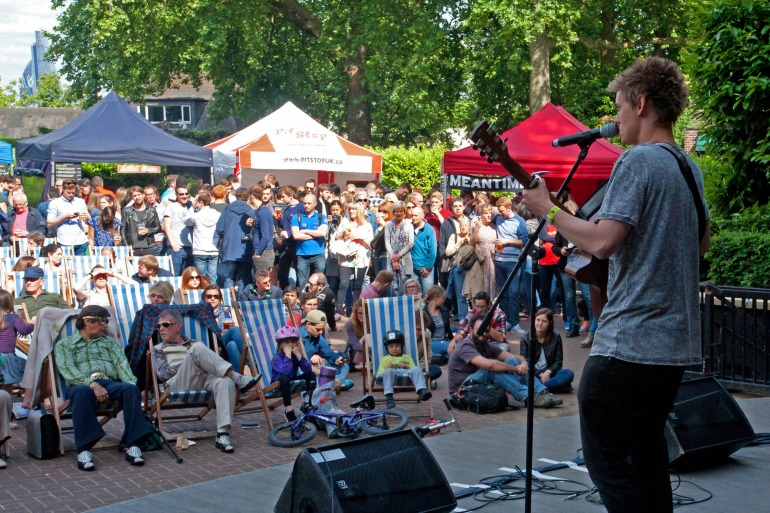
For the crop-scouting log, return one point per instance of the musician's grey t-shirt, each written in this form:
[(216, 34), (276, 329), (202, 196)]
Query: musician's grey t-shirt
[(652, 316)]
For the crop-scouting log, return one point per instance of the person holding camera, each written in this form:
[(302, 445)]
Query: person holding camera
[(68, 214)]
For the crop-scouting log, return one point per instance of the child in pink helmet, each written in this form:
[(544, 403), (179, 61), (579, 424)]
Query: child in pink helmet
[(289, 364)]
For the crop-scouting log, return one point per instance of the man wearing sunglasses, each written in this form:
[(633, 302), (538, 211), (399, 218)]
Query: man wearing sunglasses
[(96, 371), (185, 364)]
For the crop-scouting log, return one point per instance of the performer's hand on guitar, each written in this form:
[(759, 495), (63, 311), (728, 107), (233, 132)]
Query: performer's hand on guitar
[(537, 201)]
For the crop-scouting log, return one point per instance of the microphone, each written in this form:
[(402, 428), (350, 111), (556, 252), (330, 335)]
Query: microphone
[(588, 136)]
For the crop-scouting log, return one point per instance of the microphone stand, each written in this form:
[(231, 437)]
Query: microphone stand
[(536, 253)]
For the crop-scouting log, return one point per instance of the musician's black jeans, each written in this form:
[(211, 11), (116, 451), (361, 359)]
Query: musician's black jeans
[(623, 411)]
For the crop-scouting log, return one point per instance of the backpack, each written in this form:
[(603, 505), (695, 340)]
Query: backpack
[(480, 398), (42, 435)]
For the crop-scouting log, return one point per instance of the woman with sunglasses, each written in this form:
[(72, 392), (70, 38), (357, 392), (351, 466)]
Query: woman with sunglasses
[(191, 280), (97, 295), (231, 335), (356, 233)]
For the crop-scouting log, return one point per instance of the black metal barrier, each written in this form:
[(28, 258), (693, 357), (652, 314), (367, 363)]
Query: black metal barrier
[(734, 337)]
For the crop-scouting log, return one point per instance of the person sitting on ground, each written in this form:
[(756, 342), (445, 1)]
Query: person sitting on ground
[(481, 305), (397, 364), (318, 349), (380, 287), (354, 329), (411, 287), (11, 326), (307, 303), (289, 364), (185, 364), (327, 301), (148, 270), (23, 263), (97, 295), (476, 359), (95, 371), (425, 357), (549, 354), (34, 296), (441, 329)]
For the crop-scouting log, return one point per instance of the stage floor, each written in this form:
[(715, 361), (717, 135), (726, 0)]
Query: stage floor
[(468, 456)]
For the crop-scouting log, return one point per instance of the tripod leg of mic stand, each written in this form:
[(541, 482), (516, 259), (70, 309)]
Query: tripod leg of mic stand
[(171, 448), (535, 281)]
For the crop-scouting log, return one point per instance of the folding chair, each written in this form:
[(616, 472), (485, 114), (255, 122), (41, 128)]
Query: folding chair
[(127, 300), (198, 323), (82, 265), (175, 281), (54, 388), (121, 252), (382, 315), (258, 321)]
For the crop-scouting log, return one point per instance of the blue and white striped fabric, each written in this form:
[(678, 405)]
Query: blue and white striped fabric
[(127, 300), (121, 252), (190, 297), (132, 263), (261, 319), (393, 313), (82, 265)]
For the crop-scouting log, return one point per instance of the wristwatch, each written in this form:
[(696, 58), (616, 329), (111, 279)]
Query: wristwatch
[(93, 384)]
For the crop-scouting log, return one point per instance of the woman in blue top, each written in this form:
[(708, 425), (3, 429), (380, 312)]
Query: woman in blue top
[(104, 229)]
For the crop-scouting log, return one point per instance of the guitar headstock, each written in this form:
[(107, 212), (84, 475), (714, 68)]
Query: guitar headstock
[(486, 139)]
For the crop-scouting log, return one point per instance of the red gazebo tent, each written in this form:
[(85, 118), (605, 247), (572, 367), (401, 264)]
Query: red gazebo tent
[(529, 143)]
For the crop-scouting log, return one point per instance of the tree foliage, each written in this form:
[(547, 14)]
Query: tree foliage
[(730, 72), (418, 165)]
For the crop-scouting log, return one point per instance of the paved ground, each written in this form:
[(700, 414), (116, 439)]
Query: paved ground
[(56, 485)]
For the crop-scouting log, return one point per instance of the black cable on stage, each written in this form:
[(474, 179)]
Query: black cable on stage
[(761, 439)]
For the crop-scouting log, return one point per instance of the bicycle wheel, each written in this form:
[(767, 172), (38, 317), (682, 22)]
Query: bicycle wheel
[(285, 436), (378, 423)]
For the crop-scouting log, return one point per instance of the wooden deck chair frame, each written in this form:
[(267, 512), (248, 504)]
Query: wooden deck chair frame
[(52, 386), (258, 322), (393, 313), (156, 398)]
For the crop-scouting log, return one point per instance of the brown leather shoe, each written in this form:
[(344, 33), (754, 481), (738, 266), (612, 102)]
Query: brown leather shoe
[(588, 341)]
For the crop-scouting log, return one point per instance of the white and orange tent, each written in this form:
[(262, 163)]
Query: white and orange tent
[(294, 147)]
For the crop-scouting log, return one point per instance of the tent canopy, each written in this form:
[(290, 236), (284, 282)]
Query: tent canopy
[(289, 139), (6, 153), (112, 131), (529, 144)]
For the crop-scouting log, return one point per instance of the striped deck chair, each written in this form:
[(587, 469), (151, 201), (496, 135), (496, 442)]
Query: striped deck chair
[(198, 323), (382, 315), (121, 252), (259, 320), (127, 300), (191, 297), (54, 388), (82, 265), (175, 281)]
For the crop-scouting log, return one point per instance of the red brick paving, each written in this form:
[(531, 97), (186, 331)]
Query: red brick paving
[(31, 485)]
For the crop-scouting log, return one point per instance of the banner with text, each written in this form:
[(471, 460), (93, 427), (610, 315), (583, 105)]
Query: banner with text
[(138, 168), (486, 183)]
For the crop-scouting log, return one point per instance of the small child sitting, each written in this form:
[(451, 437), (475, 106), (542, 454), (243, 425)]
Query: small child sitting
[(396, 363), (287, 364)]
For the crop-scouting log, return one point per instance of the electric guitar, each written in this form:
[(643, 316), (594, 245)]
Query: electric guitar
[(581, 266)]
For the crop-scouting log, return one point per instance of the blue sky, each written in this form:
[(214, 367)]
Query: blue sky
[(19, 19)]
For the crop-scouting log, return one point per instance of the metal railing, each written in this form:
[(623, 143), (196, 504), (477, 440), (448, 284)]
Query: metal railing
[(734, 337)]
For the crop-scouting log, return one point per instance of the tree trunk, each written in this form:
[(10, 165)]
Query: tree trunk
[(359, 116), (540, 78)]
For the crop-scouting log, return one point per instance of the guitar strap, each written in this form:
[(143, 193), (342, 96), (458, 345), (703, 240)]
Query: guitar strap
[(684, 167)]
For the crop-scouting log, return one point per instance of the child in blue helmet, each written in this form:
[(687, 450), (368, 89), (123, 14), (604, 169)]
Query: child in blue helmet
[(289, 364), (396, 363)]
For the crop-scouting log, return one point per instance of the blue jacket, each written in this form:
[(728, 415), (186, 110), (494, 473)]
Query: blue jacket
[(424, 249), (231, 231), (318, 346), (35, 221), (263, 230)]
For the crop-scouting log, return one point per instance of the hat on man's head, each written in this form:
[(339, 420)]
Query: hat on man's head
[(314, 317), (94, 311), (33, 273)]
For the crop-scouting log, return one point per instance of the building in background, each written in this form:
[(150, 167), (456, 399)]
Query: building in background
[(37, 66)]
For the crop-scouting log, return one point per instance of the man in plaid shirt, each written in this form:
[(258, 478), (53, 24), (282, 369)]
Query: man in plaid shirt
[(481, 303)]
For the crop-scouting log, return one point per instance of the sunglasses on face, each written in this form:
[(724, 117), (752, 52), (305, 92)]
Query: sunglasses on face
[(183, 194), (213, 296), (194, 277), (101, 276), (362, 200), (95, 320), (166, 324)]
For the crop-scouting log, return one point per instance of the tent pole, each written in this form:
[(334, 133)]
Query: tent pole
[(211, 172)]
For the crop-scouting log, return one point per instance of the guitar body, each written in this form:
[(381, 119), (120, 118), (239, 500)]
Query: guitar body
[(583, 267)]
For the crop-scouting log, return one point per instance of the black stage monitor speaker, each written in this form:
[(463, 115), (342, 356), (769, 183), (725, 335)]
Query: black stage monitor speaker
[(387, 473), (706, 425)]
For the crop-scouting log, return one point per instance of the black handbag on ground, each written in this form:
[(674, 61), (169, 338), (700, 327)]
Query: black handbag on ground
[(42, 435)]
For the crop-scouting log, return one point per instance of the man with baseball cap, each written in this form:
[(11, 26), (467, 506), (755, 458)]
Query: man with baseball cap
[(318, 349), (34, 296), (96, 371)]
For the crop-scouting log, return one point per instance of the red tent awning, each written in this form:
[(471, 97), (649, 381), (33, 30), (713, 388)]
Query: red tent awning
[(529, 143)]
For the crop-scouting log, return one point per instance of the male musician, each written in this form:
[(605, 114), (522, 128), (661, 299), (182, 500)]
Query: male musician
[(650, 328)]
